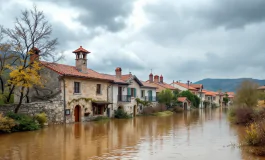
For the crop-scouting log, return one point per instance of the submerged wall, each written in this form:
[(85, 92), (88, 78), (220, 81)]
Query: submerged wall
[(53, 109)]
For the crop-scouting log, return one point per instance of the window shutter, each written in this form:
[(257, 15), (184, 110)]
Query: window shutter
[(134, 92), (128, 91)]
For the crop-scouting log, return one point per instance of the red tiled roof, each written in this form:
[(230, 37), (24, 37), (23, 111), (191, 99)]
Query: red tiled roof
[(197, 86), (126, 77), (148, 84), (185, 86), (182, 99), (262, 88), (72, 71), (230, 94), (162, 86), (81, 49), (209, 93)]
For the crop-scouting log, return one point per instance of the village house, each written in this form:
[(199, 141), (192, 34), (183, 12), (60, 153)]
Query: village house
[(159, 83), (196, 89), (124, 96), (85, 92)]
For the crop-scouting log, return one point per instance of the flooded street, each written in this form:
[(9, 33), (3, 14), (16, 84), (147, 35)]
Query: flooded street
[(201, 135)]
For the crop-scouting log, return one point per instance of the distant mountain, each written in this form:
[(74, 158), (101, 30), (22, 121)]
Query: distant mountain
[(229, 85)]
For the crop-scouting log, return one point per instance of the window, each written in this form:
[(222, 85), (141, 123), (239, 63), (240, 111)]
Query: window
[(142, 93), (76, 87), (98, 110), (98, 88), (214, 98), (209, 98)]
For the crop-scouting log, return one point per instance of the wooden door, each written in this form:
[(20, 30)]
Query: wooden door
[(77, 113)]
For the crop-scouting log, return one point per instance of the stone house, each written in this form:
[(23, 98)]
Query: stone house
[(85, 92)]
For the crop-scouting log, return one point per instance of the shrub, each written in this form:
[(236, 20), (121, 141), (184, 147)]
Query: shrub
[(23, 122), (148, 110), (178, 109), (6, 124), (255, 133), (162, 114), (121, 114), (41, 118), (101, 118), (241, 115), (252, 137)]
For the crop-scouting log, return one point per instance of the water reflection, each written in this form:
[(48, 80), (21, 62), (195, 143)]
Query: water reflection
[(198, 134)]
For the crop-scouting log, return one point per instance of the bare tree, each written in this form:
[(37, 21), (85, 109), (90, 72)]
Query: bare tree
[(31, 31), (247, 94)]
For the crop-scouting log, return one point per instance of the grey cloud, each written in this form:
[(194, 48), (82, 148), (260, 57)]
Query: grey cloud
[(234, 13), (107, 14)]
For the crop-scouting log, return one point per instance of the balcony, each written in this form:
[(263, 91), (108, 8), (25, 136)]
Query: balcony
[(150, 98), (124, 98)]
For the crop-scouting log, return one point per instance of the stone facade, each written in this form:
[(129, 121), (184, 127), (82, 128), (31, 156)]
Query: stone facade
[(87, 91), (53, 109)]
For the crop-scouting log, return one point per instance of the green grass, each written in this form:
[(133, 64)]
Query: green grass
[(162, 114), (2, 99), (101, 118)]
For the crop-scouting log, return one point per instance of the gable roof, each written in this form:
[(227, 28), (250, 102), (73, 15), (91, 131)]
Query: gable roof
[(183, 99), (197, 86), (148, 85), (261, 88), (185, 86), (161, 86), (67, 70), (209, 93)]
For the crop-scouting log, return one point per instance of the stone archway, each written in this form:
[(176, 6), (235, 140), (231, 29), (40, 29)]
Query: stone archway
[(120, 108), (77, 113)]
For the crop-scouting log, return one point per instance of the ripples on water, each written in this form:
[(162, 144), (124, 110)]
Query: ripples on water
[(199, 134)]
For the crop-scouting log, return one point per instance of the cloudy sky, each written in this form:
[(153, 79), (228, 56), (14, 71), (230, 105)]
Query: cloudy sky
[(181, 39)]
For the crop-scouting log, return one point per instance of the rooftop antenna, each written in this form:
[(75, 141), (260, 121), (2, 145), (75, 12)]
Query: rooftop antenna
[(151, 70)]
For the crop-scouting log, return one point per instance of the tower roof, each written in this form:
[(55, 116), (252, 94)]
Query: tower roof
[(81, 49)]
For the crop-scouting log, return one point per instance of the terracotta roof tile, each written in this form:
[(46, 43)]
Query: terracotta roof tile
[(126, 77), (149, 84), (262, 88), (182, 99), (81, 49), (209, 93), (197, 86), (72, 71), (185, 86), (161, 86)]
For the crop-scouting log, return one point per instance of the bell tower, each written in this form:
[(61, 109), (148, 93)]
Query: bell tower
[(81, 59)]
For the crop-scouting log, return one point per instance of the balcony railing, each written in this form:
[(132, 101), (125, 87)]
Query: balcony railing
[(150, 98), (124, 98)]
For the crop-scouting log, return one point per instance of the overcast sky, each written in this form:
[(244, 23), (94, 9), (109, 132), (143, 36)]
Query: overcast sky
[(180, 39)]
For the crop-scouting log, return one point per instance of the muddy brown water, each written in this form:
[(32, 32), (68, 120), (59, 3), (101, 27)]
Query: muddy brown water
[(200, 134)]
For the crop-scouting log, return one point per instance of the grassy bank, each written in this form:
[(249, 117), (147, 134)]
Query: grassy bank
[(162, 114)]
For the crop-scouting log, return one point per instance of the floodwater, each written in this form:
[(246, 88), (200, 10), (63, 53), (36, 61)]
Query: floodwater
[(200, 134)]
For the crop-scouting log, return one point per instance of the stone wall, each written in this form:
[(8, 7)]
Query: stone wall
[(53, 109)]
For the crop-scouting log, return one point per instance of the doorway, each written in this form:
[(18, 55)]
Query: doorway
[(185, 105), (77, 113)]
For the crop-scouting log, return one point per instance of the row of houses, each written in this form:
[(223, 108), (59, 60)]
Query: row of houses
[(87, 93)]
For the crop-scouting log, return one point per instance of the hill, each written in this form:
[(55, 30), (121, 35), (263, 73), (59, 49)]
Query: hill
[(229, 85)]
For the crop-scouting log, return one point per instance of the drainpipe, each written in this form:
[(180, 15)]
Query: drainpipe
[(64, 101)]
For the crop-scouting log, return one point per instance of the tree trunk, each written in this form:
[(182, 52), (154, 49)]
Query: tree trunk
[(10, 94), (20, 100), (27, 96), (2, 85)]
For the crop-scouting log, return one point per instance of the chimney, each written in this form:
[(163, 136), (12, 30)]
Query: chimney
[(156, 79), (118, 72), (81, 59), (151, 78), (161, 79), (34, 54)]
